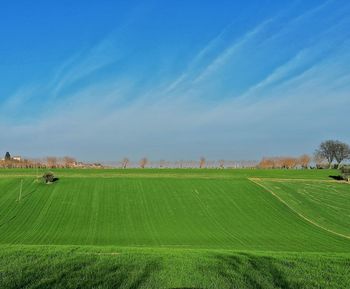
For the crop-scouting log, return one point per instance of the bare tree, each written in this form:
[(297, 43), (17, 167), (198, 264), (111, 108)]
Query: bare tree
[(288, 162), (221, 164), (125, 163), (51, 162), (319, 161), (333, 150), (143, 163), (326, 150), (69, 162), (202, 162), (304, 161), (342, 152), (266, 163)]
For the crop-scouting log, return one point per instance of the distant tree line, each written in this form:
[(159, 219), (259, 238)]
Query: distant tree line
[(52, 162), (201, 163), (48, 162), (285, 162), (329, 154)]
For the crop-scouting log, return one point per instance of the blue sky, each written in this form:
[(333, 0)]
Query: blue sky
[(100, 80)]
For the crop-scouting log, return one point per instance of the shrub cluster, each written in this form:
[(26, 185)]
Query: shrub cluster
[(48, 178), (346, 173)]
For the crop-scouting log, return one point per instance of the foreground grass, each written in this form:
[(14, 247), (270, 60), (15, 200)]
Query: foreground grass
[(110, 267)]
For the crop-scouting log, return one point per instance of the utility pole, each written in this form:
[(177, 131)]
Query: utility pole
[(20, 191)]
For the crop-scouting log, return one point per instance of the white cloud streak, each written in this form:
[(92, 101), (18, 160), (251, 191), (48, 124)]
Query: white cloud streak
[(224, 57), (294, 110)]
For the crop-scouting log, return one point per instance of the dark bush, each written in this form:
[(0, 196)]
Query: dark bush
[(346, 173), (49, 178)]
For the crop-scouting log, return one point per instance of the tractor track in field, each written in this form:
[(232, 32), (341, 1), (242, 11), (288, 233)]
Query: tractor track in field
[(173, 176), (256, 181), (111, 176), (99, 253), (298, 180)]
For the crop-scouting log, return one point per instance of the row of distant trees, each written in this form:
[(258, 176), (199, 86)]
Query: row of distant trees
[(201, 163), (70, 162), (330, 153), (285, 162), (48, 162)]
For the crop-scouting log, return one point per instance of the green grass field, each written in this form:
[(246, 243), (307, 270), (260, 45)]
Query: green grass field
[(327, 204), (174, 229)]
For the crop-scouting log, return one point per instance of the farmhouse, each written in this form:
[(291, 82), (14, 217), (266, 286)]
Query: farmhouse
[(17, 158)]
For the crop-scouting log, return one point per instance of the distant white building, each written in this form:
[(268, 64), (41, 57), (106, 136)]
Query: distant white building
[(17, 158)]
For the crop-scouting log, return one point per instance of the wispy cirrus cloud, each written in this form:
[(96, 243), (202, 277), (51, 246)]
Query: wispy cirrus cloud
[(289, 98), (225, 56)]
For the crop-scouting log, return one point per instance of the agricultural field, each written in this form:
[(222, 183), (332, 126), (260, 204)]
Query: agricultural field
[(172, 228)]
